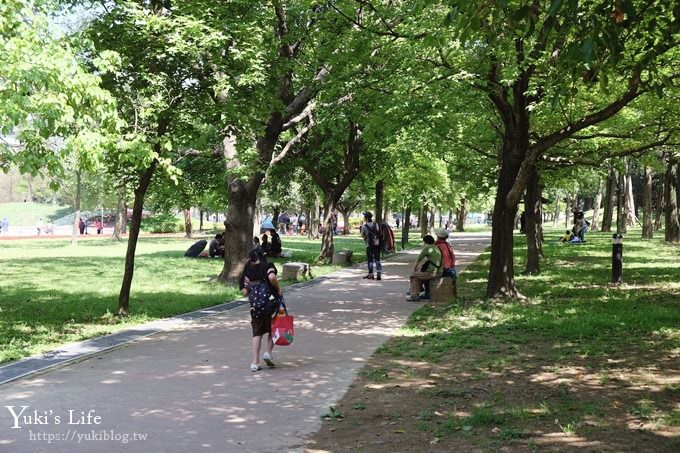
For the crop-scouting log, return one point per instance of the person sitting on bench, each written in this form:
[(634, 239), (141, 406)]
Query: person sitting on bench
[(448, 257)]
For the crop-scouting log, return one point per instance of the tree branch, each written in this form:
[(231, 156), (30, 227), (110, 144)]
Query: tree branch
[(637, 151), (276, 159)]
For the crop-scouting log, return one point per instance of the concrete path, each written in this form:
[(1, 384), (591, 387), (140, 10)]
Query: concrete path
[(190, 389)]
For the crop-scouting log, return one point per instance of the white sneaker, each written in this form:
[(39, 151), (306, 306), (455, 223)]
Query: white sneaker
[(255, 367), (267, 357)]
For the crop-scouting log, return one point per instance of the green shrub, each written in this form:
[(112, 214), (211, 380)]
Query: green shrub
[(162, 223)]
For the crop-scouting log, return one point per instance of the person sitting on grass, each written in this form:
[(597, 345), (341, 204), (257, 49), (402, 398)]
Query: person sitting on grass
[(427, 266), (568, 236), (216, 248), (581, 226), (265, 244), (275, 245)]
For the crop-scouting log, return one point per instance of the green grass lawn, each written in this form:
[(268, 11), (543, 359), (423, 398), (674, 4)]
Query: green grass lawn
[(580, 362), (52, 292), (28, 214)]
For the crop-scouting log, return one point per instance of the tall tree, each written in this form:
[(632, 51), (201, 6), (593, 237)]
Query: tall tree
[(158, 55), (597, 202), (609, 199), (647, 227), (534, 61), (333, 172), (290, 36), (672, 216)]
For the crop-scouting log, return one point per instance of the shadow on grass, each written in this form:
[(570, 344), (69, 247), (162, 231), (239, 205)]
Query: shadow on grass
[(580, 364)]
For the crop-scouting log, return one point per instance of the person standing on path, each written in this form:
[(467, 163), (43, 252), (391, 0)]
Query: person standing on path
[(5, 226), (370, 231), (260, 285)]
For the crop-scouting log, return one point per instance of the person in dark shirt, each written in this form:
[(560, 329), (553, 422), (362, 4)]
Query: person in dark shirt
[(275, 247), (259, 283), (216, 248)]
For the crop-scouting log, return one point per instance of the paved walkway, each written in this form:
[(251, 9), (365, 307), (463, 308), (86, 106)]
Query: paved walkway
[(190, 388)]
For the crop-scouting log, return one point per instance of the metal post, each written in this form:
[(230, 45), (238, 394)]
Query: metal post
[(617, 258)]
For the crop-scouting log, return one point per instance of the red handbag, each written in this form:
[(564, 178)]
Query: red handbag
[(283, 330)]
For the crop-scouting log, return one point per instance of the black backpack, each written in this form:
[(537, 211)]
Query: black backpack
[(262, 303), (373, 235)]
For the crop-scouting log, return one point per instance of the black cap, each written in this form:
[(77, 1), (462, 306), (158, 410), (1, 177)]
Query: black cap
[(368, 215)]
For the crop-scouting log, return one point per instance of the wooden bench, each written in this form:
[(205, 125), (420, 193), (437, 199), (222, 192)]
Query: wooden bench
[(342, 257), (295, 271), (443, 289)]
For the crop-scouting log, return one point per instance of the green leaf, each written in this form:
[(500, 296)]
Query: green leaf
[(521, 13), (629, 8), (555, 6), (587, 50)]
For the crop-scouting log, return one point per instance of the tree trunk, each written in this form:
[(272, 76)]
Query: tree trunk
[(200, 222), (660, 207), (556, 219), (386, 212), (567, 210), (76, 218), (242, 196), (238, 229), (29, 195), (140, 192), (595, 224), (327, 245), (631, 217), (671, 199), (432, 220), (587, 204), (532, 207), (461, 215), (621, 204), (379, 196), (188, 227), (647, 226), (275, 216), (610, 194), (120, 216), (345, 220), (423, 221), (313, 231), (405, 226), (501, 269)]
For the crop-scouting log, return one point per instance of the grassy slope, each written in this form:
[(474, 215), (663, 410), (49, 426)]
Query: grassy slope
[(28, 214)]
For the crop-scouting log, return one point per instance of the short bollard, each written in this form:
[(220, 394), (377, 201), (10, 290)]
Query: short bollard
[(617, 258)]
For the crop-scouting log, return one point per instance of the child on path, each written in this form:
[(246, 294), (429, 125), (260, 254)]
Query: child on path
[(263, 290)]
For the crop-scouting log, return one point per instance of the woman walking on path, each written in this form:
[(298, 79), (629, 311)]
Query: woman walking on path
[(263, 290)]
